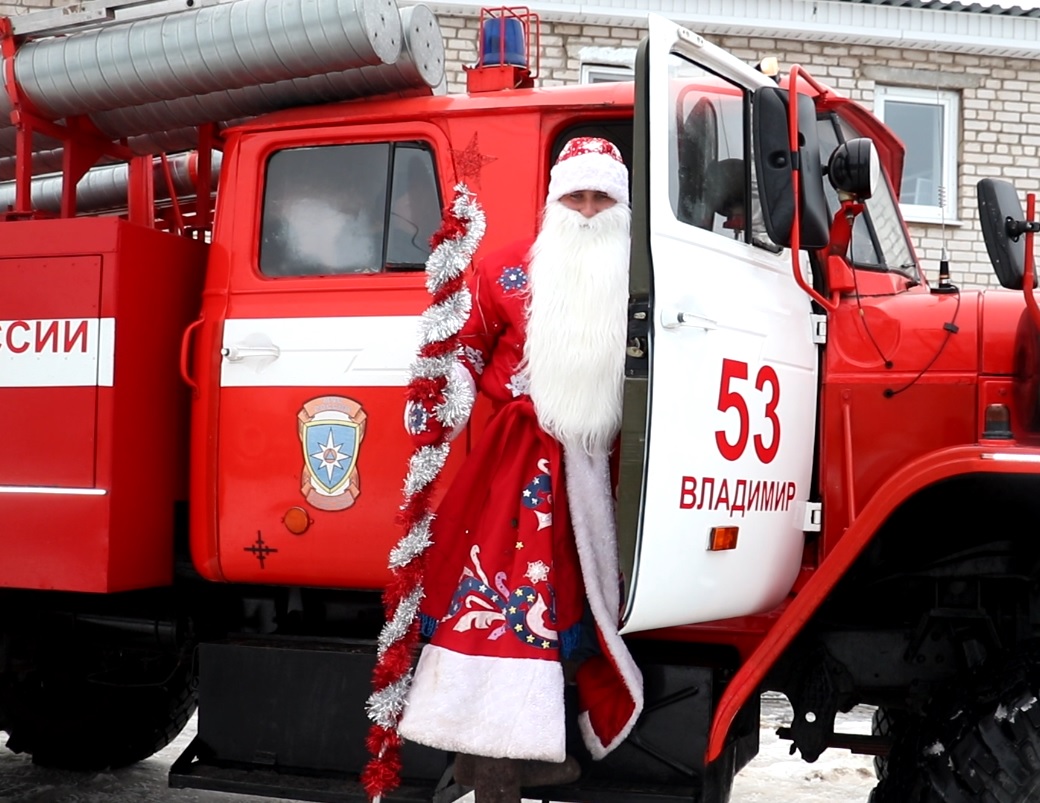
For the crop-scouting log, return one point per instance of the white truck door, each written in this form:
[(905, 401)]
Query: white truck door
[(731, 374)]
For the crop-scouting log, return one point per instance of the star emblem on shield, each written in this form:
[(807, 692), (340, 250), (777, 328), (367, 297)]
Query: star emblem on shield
[(330, 429)]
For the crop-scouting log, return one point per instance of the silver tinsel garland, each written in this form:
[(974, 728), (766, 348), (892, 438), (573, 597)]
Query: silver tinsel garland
[(439, 323), (397, 627), (458, 400), (447, 263), (385, 706), (424, 467), (434, 367), (413, 544), (444, 320)]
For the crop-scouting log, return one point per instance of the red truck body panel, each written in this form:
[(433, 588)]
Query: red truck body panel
[(93, 470)]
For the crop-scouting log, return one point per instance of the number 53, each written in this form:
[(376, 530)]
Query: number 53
[(734, 371)]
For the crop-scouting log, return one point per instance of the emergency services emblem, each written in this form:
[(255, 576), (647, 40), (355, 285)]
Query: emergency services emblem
[(331, 429)]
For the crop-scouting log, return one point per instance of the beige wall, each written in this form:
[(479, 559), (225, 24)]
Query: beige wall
[(999, 131), (24, 6)]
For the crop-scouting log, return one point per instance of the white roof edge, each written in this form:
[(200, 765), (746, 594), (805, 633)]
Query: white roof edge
[(816, 20)]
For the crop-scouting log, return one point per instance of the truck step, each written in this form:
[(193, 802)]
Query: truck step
[(598, 791), (191, 771)]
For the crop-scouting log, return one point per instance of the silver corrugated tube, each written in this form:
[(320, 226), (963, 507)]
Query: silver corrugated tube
[(105, 187), (48, 159), (420, 65), (210, 49)]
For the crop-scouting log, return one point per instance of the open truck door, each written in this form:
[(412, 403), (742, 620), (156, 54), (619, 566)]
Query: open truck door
[(721, 379)]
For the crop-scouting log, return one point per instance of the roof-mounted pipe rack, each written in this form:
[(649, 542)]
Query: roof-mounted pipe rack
[(124, 74)]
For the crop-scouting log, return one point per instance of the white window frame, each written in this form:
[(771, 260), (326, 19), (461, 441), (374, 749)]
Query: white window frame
[(950, 103), (604, 73)]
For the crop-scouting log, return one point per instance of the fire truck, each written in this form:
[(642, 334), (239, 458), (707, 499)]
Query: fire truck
[(211, 277)]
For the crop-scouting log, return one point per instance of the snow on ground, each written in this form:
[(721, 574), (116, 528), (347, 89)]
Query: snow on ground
[(773, 777)]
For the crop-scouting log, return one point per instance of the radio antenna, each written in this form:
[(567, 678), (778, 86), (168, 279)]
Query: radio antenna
[(944, 285)]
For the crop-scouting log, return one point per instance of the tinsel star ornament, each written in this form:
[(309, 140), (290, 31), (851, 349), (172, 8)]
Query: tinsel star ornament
[(433, 376)]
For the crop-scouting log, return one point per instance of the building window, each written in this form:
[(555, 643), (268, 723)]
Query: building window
[(602, 73), (926, 121)]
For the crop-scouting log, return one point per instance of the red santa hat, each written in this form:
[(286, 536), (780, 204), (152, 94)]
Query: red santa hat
[(589, 163)]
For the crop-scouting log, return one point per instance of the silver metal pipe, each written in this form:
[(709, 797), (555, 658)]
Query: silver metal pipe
[(49, 158), (420, 65), (168, 125), (104, 187), (210, 49)]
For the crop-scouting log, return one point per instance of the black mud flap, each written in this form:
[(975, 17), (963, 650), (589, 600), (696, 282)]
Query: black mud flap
[(286, 718), (662, 760)]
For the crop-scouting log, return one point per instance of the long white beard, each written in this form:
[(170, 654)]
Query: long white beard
[(577, 318)]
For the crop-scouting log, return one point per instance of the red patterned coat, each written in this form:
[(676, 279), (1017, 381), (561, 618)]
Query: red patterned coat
[(513, 561)]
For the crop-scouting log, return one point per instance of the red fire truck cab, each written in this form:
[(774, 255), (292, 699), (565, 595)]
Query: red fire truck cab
[(829, 467)]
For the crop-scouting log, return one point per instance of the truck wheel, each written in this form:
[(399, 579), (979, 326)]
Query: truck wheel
[(889, 722), (989, 748), (983, 748), (99, 717)]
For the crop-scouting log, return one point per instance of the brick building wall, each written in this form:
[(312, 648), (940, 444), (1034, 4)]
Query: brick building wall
[(999, 135), (10, 9), (999, 115)]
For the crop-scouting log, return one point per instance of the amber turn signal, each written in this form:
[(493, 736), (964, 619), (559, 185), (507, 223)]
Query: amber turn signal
[(723, 538), (997, 422)]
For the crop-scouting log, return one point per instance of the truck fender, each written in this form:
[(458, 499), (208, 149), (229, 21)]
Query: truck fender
[(924, 471)]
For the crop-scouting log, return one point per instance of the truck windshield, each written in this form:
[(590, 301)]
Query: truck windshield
[(879, 238)]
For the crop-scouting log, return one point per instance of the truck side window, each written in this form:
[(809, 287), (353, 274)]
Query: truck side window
[(879, 240), (415, 208), (348, 209), (708, 183)]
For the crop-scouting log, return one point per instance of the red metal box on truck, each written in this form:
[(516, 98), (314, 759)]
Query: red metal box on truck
[(93, 413)]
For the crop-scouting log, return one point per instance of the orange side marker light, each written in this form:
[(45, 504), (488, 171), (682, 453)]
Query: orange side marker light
[(722, 538)]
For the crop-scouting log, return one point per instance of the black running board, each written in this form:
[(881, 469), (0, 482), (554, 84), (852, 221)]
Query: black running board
[(190, 771)]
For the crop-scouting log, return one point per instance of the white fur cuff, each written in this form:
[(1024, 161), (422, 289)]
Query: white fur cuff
[(497, 707)]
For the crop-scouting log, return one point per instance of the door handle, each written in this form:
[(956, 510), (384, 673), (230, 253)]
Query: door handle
[(185, 361), (255, 348), (239, 352), (673, 319)]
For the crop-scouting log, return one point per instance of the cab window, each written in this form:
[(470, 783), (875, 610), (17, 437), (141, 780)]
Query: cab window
[(879, 238), (708, 161), (348, 209)]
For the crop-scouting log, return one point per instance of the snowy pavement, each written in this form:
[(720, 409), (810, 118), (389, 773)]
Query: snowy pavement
[(773, 777)]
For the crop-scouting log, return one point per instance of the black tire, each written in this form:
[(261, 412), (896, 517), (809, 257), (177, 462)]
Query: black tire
[(93, 716), (888, 722), (981, 747)]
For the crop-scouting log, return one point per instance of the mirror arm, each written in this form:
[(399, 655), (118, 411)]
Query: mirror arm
[(796, 180), (1016, 228), (1030, 228)]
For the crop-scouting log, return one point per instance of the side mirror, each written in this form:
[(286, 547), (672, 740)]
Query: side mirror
[(774, 169), (1003, 224), (854, 168)]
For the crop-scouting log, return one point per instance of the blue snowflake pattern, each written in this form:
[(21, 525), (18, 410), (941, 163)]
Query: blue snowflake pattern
[(513, 278), (475, 357), (417, 419)]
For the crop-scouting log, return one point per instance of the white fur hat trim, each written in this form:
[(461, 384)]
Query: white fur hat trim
[(589, 163)]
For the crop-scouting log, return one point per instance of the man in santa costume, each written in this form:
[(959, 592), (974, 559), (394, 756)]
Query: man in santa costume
[(522, 578)]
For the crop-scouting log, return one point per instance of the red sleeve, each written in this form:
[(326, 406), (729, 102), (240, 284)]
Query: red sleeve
[(487, 319), (482, 328)]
